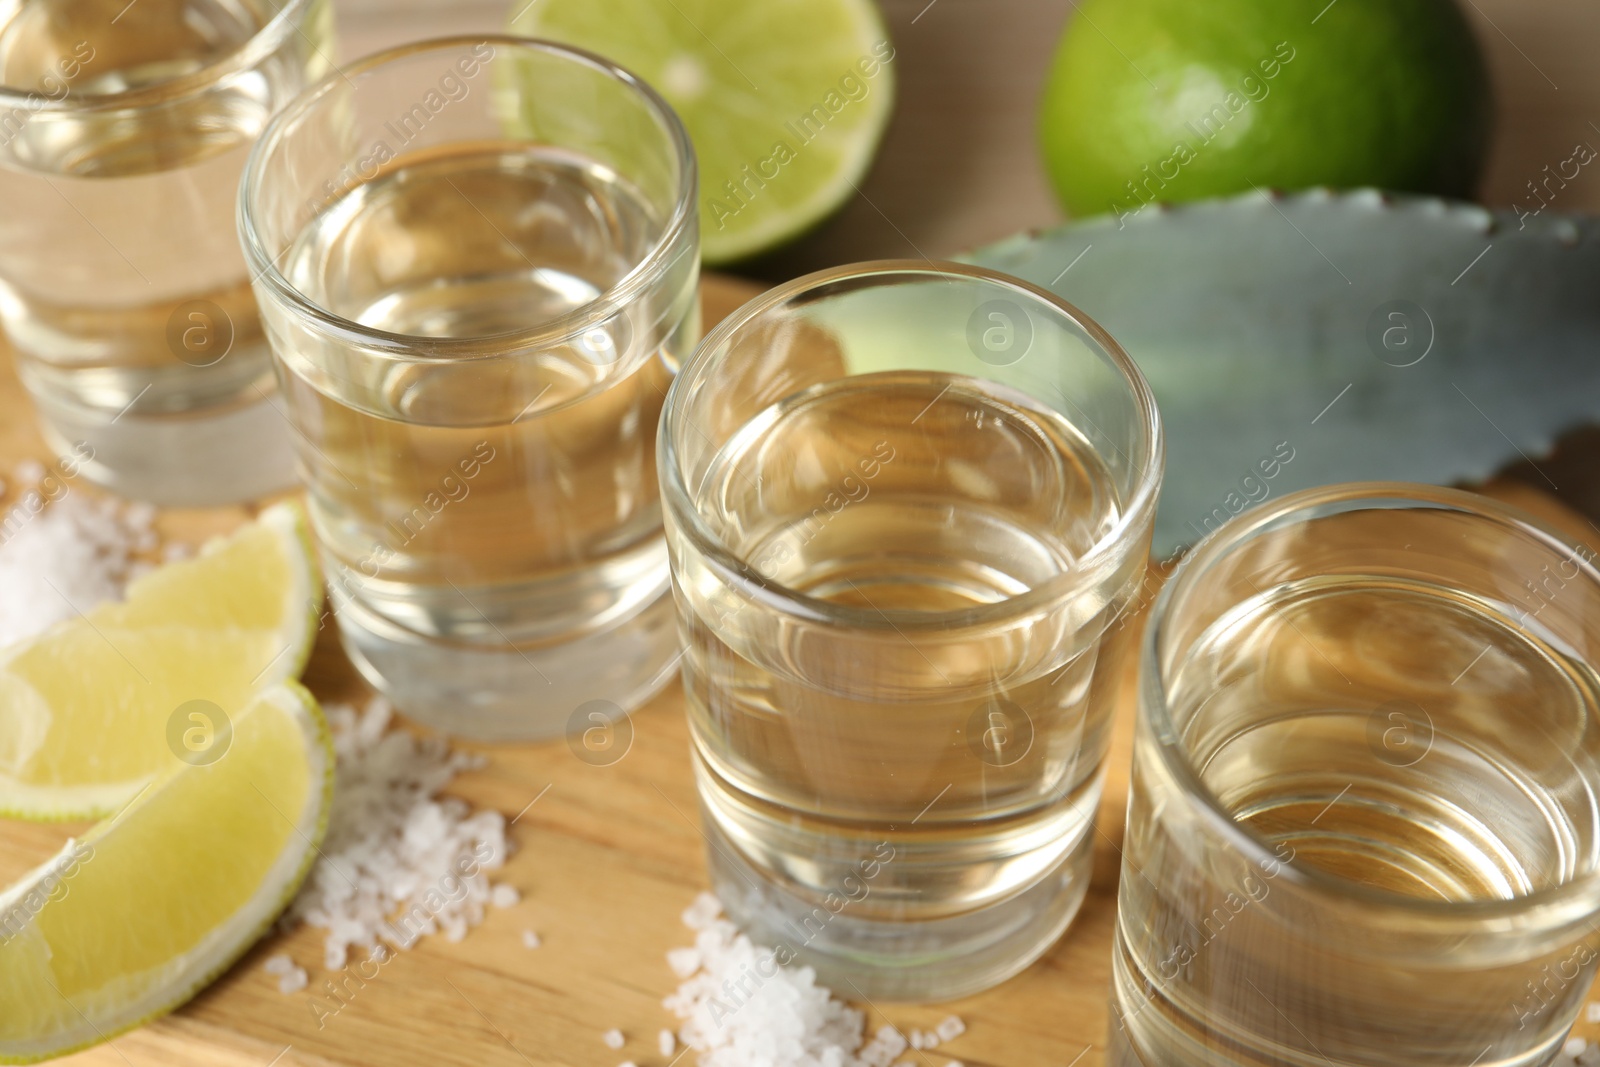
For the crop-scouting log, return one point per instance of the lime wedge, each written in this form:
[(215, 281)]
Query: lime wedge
[(153, 904), (785, 100), (94, 708)]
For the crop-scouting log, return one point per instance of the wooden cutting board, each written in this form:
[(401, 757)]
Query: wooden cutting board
[(606, 860)]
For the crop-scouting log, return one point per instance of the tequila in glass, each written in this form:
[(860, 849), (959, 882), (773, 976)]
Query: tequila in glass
[(123, 293), (476, 335), (1364, 823), (907, 504)]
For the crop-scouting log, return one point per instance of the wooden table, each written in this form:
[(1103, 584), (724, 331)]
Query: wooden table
[(604, 866)]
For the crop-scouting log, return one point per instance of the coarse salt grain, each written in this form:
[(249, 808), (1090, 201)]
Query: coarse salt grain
[(950, 1028), (683, 961), (613, 1039), (666, 1043), (63, 557), (703, 912), (1577, 1053), (398, 862), (279, 964), (884, 1048), (293, 981), (740, 1009), (504, 896), (530, 939)]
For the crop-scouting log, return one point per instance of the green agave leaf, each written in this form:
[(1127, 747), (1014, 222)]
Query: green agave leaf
[(1366, 336)]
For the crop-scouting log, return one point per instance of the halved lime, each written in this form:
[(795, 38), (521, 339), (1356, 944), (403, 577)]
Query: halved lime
[(785, 100), (151, 905), (95, 707)]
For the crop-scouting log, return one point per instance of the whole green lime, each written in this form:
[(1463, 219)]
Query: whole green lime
[(1168, 100)]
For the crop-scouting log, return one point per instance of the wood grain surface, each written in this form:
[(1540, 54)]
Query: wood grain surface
[(608, 857), (606, 860)]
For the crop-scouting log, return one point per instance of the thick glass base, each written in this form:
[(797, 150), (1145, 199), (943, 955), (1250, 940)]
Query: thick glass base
[(510, 693), (1119, 1051), (920, 960), (1146, 1029), (202, 458)]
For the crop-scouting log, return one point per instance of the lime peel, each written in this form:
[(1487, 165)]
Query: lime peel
[(101, 939), (1165, 100), (86, 706), (786, 101)]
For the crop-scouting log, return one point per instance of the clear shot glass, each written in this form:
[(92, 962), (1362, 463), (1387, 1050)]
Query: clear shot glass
[(1363, 820), (476, 259), (123, 293), (906, 504)]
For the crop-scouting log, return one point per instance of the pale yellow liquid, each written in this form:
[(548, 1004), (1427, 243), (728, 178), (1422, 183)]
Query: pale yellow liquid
[(496, 502), (1402, 737), (901, 495), (118, 220)]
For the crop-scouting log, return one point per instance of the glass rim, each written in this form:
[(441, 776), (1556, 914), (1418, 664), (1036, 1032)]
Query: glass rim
[(266, 40), (421, 348), (1138, 511), (1153, 706)]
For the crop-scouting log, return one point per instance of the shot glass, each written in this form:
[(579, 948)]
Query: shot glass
[(906, 503), (123, 293), (1363, 820), (476, 260)]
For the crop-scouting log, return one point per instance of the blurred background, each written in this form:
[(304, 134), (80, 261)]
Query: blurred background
[(959, 166)]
